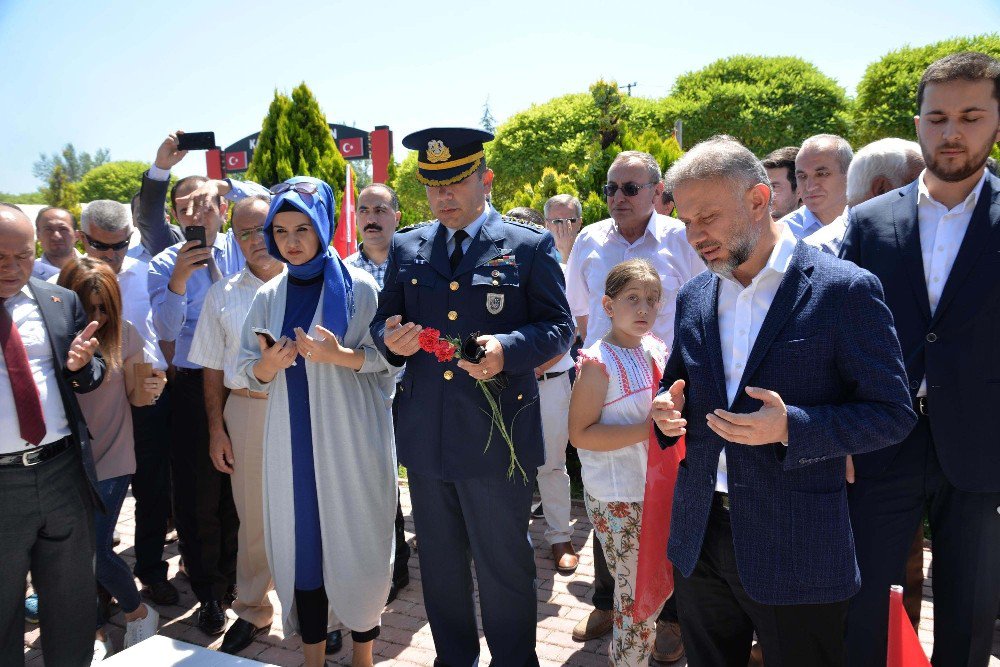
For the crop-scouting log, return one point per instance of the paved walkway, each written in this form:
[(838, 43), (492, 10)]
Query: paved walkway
[(406, 636)]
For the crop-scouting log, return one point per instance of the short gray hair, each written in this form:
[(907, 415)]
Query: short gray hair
[(105, 214), (840, 144), (645, 159), (720, 156), (564, 200), (893, 159)]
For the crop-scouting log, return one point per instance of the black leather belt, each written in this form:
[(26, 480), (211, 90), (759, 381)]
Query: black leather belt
[(187, 371), (549, 376), (920, 406), (35, 455)]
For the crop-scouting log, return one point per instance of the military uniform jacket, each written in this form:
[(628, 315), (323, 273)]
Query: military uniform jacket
[(509, 285)]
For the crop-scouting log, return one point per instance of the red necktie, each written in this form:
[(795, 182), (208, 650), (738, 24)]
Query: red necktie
[(22, 382)]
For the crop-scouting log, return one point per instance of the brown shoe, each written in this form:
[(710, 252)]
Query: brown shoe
[(668, 646), (565, 558), (756, 656), (597, 624)]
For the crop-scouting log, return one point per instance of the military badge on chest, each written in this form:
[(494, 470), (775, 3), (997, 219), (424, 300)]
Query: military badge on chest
[(494, 303)]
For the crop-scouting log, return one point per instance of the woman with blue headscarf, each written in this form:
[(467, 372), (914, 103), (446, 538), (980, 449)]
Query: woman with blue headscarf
[(329, 462)]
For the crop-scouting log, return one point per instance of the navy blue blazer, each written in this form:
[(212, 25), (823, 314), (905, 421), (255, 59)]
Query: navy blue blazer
[(958, 348), (827, 346), (510, 285), (64, 318)]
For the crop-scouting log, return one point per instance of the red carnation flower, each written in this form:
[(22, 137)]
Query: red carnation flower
[(428, 339), (444, 351)]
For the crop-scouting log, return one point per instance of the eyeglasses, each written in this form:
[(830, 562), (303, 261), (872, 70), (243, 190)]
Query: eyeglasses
[(248, 234), (97, 245), (307, 190), (629, 189), (560, 221)]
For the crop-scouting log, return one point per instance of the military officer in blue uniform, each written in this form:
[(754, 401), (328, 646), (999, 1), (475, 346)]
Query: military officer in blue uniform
[(471, 271)]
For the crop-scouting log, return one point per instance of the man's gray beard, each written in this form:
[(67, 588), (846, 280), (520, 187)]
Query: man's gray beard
[(739, 252)]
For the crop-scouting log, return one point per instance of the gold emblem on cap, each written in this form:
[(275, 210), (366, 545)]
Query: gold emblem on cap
[(437, 151)]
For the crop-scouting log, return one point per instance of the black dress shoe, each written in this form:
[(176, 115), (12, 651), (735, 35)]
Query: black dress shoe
[(230, 597), (240, 635), (162, 592), (397, 585), (211, 618), (334, 642)]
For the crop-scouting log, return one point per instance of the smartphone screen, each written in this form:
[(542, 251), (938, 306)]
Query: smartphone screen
[(196, 141)]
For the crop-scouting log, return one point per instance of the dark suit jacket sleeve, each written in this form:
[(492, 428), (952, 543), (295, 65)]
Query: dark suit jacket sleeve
[(875, 412), (849, 248), (390, 302), (157, 234), (550, 328), (674, 370), (90, 376)]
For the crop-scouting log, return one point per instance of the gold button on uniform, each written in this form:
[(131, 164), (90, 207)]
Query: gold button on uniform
[(496, 282), (452, 315), (520, 396), (413, 281), (496, 274), (453, 286), (448, 375)]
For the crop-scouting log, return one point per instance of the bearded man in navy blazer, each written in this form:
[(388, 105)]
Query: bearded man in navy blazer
[(784, 362), (935, 244)]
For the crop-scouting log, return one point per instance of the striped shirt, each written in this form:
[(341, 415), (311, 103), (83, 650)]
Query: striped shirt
[(217, 338)]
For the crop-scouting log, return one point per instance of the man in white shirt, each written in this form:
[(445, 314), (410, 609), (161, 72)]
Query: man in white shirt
[(821, 178), (56, 230), (935, 247), (236, 416), (634, 231), (105, 231), (877, 168)]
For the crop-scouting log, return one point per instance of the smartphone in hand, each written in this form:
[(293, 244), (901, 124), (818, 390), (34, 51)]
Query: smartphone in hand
[(196, 141), (196, 233)]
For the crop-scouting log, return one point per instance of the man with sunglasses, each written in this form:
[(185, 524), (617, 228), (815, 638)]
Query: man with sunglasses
[(634, 231), (105, 232)]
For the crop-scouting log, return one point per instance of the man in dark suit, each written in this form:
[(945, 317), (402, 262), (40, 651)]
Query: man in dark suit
[(48, 485), (471, 272), (774, 386), (935, 245)]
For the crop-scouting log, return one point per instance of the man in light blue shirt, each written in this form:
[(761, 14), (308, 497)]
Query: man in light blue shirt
[(821, 175)]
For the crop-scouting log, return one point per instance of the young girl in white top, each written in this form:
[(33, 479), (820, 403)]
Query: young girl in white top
[(609, 423)]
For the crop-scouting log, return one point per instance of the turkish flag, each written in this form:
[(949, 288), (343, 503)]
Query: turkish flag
[(904, 645), (345, 238), (236, 161), (654, 578), (351, 146)]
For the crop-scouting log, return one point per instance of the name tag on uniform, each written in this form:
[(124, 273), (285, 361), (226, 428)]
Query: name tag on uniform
[(494, 303)]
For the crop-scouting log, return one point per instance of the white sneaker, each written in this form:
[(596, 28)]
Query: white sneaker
[(102, 649), (143, 628)]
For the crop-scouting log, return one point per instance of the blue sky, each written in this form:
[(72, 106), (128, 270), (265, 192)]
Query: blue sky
[(121, 74)]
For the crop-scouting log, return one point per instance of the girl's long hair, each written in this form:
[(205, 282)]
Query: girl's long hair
[(95, 283)]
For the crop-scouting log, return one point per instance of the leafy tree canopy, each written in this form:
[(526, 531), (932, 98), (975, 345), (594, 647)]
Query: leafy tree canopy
[(113, 180), (74, 166)]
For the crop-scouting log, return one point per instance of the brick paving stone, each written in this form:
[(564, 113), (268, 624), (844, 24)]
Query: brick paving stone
[(406, 639)]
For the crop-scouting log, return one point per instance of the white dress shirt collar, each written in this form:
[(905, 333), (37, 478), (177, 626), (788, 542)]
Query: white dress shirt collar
[(967, 205)]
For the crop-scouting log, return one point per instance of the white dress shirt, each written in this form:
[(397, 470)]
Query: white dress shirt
[(600, 246), (802, 222), (741, 313), (217, 338), (132, 279), (941, 235), (23, 309)]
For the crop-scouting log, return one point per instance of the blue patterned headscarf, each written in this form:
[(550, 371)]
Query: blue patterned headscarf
[(338, 293)]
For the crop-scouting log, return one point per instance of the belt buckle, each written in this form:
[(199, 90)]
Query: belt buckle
[(24, 459), (922, 405)]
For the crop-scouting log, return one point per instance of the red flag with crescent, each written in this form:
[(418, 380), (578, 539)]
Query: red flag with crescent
[(654, 581), (345, 238)]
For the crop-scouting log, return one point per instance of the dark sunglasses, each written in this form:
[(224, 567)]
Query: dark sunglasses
[(629, 189), (97, 245), (306, 190)]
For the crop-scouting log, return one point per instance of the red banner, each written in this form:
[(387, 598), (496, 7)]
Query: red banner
[(351, 146), (904, 645), (654, 581), (345, 238), (236, 161)]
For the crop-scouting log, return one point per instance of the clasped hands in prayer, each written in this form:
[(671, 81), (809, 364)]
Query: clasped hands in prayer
[(324, 348)]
